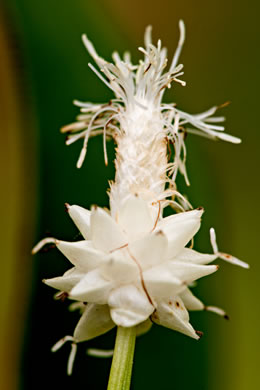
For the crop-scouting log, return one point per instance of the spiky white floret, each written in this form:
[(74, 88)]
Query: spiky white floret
[(131, 269), (140, 123)]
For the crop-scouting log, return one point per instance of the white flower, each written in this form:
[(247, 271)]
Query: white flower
[(133, 266), (132, 269), (139, 121)]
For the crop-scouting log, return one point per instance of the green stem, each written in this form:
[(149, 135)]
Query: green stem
[(121, 368)]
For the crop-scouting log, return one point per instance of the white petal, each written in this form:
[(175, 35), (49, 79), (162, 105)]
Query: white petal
[(135, 218), (81, 218), (65, 282), (95, 321), (190, 301), (92, 288), (171, 220), (82, 254), (188, 272), (179, 229), (151, 250), (129, 306), (120, 268), (105, 232), (191, 256), (174, 315), (161, 282)]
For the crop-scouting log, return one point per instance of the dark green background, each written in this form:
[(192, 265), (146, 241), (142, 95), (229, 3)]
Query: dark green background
[(221, 58)]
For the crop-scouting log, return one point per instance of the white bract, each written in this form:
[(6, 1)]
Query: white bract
[(132, 269)]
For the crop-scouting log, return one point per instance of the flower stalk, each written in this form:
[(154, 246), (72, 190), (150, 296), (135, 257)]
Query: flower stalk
[(122, 363)]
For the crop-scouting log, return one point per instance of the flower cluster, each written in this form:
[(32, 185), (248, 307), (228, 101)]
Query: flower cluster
[(137, 119), (134, 267)]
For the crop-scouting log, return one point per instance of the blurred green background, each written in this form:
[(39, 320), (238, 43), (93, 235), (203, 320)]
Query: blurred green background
[(43, 67)]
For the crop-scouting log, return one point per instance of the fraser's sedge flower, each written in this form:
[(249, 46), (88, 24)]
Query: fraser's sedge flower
[(134, 267)]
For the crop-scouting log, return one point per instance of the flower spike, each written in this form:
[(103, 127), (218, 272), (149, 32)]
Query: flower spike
[(139, 91), (134, 266)]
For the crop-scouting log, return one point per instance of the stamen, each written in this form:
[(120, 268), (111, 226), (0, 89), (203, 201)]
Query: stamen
[(101, 77), (199, 333), (74, 138), (84, 148), (104, 141), (233, 260), (83, 152), (217, 310), (205, 114), (42, 243), (228, 138), (183, 83), (142, 50), (90, 48), (213, 240), (180, 45), (215, 119), (75, 126), (71, 358), (61, 296), (84, 104), (103, 353), (225, 256), (148, 36), (61, 342), (174, 205)]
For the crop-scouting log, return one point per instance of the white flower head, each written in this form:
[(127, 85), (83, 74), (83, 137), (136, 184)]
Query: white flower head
[(139, 121), (133, 266)]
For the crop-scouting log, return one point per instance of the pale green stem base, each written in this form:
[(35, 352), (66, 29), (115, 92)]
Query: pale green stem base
[(122, 363)]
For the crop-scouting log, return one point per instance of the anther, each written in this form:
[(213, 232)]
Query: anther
[(199, 333), (61, 296), (67, 207)]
